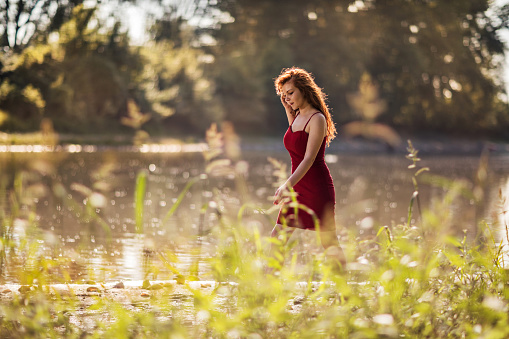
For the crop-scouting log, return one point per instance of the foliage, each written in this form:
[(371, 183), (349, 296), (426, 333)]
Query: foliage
[(88, 76), (451, 47), (434, 64), (434, 61), (78, 82), (25, 20), (175, 88)]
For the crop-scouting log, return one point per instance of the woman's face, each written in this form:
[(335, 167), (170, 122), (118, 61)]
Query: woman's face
[(293, 96)]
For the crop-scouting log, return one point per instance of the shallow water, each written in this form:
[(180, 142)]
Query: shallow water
[(371, 191)]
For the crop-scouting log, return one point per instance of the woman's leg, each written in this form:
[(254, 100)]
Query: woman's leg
[(332, 248), (329, 238)]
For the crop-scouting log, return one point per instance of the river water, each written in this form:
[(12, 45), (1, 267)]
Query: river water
[(372, 190)]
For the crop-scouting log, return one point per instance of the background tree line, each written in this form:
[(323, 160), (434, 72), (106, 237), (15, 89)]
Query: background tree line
[(434, 65)]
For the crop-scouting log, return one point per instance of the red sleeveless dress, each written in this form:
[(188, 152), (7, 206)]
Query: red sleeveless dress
[(315, 190)]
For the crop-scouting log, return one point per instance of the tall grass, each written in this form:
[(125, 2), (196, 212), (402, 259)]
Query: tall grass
[(411, 280)]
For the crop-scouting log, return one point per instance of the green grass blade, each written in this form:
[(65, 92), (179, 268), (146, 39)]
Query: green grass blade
[(179, 199), (139, 199)]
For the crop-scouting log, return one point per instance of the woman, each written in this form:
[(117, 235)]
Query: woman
[(310, 130)]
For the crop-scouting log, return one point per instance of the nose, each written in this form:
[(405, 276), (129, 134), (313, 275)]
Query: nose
[(287, 98)]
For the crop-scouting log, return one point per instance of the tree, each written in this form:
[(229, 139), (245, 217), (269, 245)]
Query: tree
[(83, 80), (21, 21), (175, 88), (433, 59), (265, 36), (89, 77)]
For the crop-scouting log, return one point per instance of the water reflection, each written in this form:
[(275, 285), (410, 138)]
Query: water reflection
[(71, 148), (372, 191)]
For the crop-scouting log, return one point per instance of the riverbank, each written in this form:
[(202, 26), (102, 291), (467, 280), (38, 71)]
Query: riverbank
[(341, 145), (118, 292)]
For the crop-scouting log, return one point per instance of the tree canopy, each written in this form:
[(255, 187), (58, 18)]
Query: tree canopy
[(25, 20), (434, 64), (432, 60)]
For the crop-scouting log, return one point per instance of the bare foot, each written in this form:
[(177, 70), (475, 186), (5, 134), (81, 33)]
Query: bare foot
[(335, 255)]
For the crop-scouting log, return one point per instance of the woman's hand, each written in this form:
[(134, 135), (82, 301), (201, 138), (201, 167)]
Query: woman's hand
[(278, 196), (287, 107), (290, 113)]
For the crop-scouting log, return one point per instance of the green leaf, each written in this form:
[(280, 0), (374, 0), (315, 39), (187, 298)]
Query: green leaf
[(179, 199), (453, 241), (455, 259), (139, 199)]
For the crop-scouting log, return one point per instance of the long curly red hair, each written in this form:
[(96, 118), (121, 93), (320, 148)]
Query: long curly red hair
[(313, 94)]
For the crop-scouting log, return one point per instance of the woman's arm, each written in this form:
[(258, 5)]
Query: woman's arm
[(317, 128)]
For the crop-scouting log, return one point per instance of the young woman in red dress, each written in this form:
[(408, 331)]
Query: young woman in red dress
[(310, 129)]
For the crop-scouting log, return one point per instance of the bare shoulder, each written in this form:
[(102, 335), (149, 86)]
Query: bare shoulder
[(318, 120), (319, 117), (317, 123)]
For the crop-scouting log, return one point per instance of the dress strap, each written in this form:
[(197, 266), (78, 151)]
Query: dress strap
[(306, 125)]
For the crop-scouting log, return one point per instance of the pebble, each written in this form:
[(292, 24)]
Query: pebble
[(155, 287), (119, 285)]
